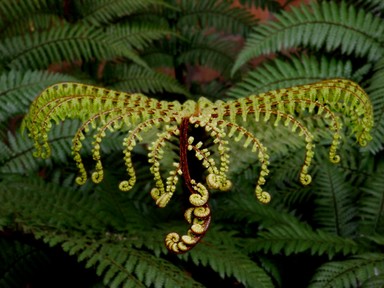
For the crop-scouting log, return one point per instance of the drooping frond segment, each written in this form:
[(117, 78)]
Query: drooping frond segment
[(315, 26), (104, 111)]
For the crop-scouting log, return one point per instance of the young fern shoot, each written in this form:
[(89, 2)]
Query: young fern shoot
[(103, 110)]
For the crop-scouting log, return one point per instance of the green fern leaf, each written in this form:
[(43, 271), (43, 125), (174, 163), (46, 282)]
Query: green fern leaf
[(30, 205), (120, 265), (137, 35), (327, 25), (335, 209), (65, 43), (221, 15), (103, 11), (208, 50), (372, 5), (372, 204), (349, 273), (11, 13), (296, 238), (36, 22), (216, 250)]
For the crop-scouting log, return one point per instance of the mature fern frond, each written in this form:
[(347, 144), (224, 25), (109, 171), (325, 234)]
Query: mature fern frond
[(335, 211), (327, 24), (372, 5), (220, 15), (103, 11), (282, 73), (349, 273), (65, 43), (138, 35), (209, 50), (297, 237), (10, 12), (19, 88), (372, 204), (30, 205), (33, 23), (215, 252), (133, 78), (119, 264)]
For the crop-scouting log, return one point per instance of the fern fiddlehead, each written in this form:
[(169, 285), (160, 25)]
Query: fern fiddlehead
[(103, 110)]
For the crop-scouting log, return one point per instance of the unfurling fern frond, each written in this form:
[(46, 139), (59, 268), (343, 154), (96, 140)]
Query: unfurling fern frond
[(315, 25), (103, 111), (354, 272)]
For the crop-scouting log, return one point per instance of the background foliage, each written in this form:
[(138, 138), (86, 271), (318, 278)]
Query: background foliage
[(55, 234)]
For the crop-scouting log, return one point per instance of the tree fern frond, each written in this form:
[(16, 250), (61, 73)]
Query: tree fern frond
[(372, 204), (244, 209), (31, 206), (35, 22), (120, 265), (133, 78), (65, 43), (103, 110), (327, 24), (372, 5), (349, 273), (103, 11), (209, 50), (19, 88), (10, 12), (297, 237), (282, 73), (222, 16), (215, 252), (335, 210), (138, 35)]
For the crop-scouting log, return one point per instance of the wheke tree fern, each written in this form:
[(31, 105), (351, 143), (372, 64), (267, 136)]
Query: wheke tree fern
[(107, 110), (267, 128)]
